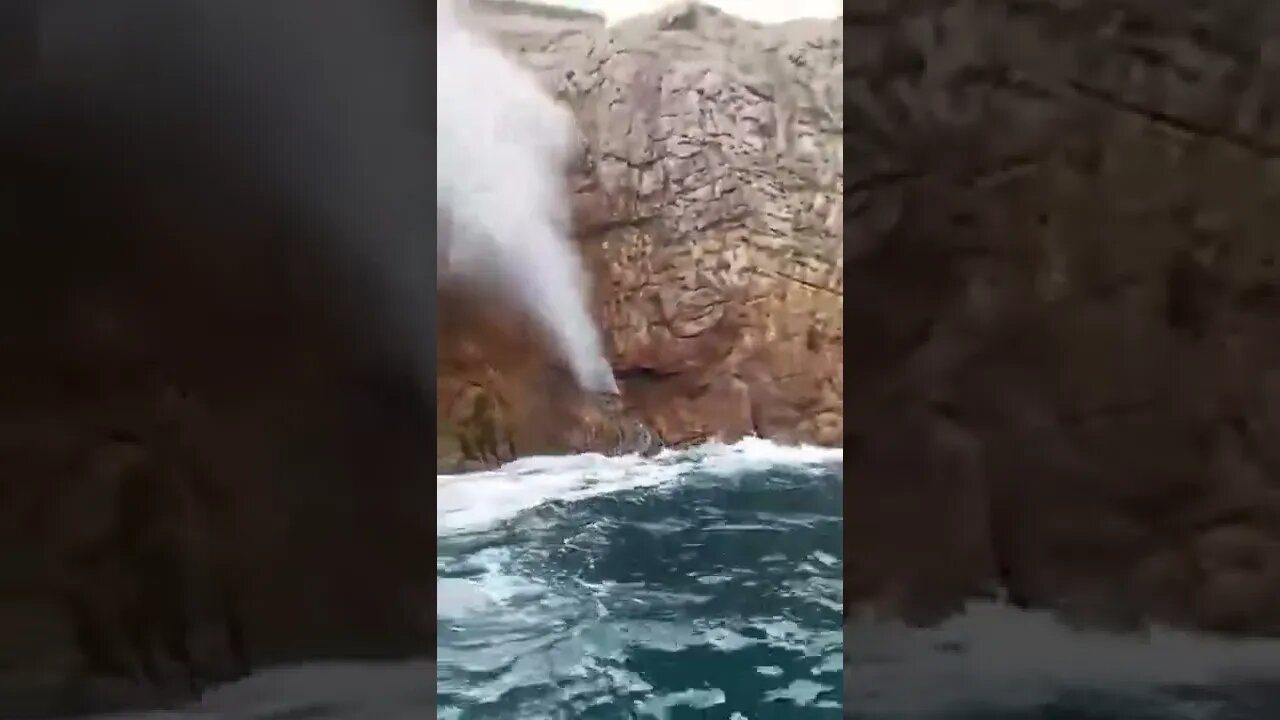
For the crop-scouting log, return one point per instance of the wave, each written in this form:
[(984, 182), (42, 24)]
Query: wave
[(479, 500)]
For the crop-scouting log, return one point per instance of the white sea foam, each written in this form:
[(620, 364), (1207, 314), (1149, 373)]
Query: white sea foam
[(479, 500), (1018, 659)]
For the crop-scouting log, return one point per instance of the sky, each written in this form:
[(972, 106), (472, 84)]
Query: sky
[(759, 10)]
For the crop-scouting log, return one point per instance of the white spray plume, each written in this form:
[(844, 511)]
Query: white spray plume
[(503, 145)]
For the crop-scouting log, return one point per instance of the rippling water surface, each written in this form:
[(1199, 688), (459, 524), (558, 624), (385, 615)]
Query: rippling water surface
[(699, 584)]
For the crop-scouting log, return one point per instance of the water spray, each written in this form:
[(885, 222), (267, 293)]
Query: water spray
[(503, 146)]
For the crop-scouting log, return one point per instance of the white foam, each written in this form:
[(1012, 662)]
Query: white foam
[(1001, 655), (752, 454), (475, 501)]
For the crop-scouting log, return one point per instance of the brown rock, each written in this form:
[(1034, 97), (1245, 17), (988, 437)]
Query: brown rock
[(709, 204)]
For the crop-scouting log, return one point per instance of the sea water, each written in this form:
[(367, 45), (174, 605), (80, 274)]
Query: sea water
[(702, 583)]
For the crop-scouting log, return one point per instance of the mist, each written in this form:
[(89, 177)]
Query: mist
[(503, 148)]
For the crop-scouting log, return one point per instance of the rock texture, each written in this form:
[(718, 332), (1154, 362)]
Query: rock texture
[(1064, 311), (709, 206)]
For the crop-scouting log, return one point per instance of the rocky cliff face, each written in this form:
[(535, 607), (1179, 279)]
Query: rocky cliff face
[(1065, 308), (709, 205)]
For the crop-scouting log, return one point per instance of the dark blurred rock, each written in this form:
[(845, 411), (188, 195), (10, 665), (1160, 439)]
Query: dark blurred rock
[(214, 395), (1065, 308)]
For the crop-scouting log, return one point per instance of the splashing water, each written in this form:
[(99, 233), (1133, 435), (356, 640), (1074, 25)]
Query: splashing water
[(503, 146)]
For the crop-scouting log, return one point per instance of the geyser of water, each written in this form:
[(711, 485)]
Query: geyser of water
[(503, 146)]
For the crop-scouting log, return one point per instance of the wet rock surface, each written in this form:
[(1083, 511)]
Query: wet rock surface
[(1065, 309)]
